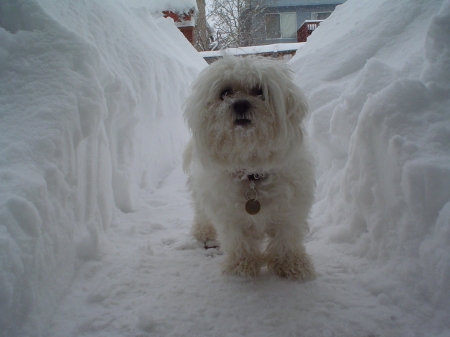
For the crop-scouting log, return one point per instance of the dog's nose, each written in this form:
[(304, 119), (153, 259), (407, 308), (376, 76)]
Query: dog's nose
[(241, 106)]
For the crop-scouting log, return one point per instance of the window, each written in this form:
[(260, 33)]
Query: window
[(281, 26), (320, 15), (273, 26)]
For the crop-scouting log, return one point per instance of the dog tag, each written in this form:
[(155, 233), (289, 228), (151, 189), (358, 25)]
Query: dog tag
[(252, 206)]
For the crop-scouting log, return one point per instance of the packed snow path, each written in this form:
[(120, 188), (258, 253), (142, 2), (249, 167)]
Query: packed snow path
[(155, 280)]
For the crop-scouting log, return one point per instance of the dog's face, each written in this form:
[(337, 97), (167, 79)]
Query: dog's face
[(241, 102), (245, 113)]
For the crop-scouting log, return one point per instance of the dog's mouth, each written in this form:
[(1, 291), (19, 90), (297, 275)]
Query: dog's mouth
[(242, 121)]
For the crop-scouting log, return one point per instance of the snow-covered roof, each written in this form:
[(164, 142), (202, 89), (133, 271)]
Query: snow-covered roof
[(283, 3), (269, 48), (154, 6), (181, 19)]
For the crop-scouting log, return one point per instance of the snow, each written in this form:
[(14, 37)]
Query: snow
[(156, 7), (95, 217), (83, 129), (381, 128), (269, 48)]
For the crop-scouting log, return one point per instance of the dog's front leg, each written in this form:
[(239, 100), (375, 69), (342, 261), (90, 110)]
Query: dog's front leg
[(203, 229), (242, 246), (286, 255)]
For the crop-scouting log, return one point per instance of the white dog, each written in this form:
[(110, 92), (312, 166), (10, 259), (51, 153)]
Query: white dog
[(250, 173)]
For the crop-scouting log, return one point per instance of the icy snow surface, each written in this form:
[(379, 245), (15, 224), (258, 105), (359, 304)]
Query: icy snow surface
[(95, 217)]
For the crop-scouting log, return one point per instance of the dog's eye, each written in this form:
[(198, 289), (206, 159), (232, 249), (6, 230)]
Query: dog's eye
[(256, 91), (226, 92)]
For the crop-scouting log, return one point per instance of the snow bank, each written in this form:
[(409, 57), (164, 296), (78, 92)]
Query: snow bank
[(377, 75), (90, 112)]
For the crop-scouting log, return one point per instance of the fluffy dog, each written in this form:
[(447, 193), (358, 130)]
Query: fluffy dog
[(250, 173)]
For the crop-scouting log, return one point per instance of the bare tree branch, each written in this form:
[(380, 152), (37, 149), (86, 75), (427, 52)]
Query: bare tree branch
[(233, 21)]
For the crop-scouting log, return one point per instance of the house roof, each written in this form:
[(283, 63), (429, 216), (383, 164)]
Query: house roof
[(287, 3), (176, 6), (253, 50)]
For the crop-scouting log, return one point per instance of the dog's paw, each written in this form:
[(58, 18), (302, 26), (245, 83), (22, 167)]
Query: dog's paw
[(248, 266), (292, 266), (204, 233), (211, 244)]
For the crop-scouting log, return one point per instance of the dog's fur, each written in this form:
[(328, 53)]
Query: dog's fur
[(245, 116)]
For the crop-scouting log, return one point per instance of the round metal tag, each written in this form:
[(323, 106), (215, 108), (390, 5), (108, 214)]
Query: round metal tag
[(252, 206)]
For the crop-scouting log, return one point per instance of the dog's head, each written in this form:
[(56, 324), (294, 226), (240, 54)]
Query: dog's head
[(245, 113)]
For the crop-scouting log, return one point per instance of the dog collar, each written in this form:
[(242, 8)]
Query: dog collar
[(256, 176), (252, 206), (244, 175)]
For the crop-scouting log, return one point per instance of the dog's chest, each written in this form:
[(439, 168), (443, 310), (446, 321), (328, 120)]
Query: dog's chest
[(253, 193), (229, 194)]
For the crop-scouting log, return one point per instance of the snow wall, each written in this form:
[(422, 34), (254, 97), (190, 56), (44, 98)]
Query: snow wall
[(377, 76), (90, 113)]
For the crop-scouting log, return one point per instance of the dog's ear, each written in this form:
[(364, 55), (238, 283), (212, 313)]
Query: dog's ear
[(284, 94), (187, 156), (295, 101), (296, 104)]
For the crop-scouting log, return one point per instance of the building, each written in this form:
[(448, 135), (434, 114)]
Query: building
[(185, 21), (190, 18), (281, 19)]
